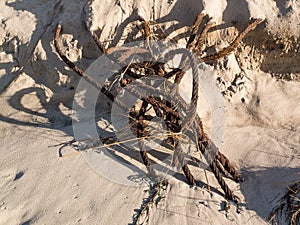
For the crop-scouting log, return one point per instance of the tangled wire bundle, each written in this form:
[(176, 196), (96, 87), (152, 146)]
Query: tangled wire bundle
[(181, 118)]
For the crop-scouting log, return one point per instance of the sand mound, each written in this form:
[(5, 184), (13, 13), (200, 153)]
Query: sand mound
[(258, 82)]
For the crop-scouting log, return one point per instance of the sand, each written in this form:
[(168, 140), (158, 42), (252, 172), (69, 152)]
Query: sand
[(258, 84)]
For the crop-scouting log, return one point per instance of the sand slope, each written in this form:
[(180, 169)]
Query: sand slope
[(260, 88)]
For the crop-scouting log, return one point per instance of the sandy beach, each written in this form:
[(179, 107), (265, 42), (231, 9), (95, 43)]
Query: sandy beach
[(249, 105)]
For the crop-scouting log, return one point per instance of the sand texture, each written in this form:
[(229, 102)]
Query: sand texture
[(258, 84)]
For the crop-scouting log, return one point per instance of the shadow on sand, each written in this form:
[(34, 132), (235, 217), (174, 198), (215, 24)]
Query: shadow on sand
[(265, 186)]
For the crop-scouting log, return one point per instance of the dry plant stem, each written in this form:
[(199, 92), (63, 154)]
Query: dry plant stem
[(105, 140), (234, 44), (154, 193)]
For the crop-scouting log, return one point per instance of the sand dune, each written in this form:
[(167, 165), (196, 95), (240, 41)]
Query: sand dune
[(258, 85)]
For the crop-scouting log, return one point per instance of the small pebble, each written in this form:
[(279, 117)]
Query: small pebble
[(79, 220), (59, 212), (75, 197)]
